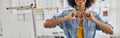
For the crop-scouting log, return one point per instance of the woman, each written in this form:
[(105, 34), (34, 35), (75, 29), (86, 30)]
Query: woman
[(79, 22)]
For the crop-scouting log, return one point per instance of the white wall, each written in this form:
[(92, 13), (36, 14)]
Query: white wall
[(12, 28), (115, 16), (114, 20)]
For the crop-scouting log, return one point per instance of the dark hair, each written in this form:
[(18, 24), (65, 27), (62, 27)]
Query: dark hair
[(88, 3)]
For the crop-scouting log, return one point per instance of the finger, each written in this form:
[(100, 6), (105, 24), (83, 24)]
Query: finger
[(87, 14), (84, 13), (74, 18), (80, 16), (90, 14), (77, 12), (71, 14), (87, 18), (74, 14)]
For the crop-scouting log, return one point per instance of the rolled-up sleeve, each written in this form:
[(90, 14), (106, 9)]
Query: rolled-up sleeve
[(59, 16), (103, 21)]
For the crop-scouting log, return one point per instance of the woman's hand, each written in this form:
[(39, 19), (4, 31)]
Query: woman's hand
[(72, 15), (89, 16)]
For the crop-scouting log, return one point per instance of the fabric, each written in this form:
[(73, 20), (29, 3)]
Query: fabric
[(80, 31)]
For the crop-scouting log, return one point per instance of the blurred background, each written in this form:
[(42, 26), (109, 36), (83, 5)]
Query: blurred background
[(25, 18)]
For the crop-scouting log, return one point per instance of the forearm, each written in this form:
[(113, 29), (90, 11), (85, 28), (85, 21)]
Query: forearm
[(103, 26), (54, 22)]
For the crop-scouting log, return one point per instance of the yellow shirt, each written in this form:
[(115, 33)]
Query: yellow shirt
[(80, 31)]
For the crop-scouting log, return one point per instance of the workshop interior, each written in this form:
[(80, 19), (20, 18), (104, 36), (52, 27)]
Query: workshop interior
[(25, 18)]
